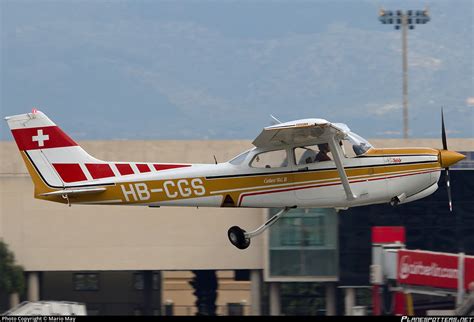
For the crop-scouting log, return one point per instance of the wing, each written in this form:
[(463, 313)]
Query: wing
[(300, 132), (308, 132)]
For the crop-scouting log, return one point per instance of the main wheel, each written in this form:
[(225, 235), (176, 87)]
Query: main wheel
[(237, 237)]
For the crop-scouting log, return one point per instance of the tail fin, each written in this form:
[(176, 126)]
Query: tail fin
[(53, 159)]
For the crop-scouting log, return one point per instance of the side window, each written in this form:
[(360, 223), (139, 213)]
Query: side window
[(271, 159), (312, 154)]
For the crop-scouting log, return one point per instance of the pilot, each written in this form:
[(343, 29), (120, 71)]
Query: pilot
[(323, 153)]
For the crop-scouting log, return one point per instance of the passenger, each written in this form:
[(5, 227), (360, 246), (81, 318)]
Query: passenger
[(323, 153)]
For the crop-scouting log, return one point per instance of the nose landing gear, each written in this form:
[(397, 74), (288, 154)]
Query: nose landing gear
[(398, 199)]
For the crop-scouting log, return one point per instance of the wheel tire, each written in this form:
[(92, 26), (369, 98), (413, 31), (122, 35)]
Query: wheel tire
[(394, 202), (237, 237)]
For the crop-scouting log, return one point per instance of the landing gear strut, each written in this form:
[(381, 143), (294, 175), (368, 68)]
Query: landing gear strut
[(241, 239)]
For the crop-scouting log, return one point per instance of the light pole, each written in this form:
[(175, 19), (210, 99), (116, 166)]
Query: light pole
[(404, 20)]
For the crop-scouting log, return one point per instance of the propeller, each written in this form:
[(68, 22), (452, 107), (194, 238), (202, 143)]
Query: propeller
[(445, 147)]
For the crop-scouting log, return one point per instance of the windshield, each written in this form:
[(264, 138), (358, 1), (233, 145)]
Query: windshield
[(240, 158), (359, 144)]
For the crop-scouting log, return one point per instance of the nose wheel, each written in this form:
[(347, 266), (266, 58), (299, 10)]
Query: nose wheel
[(237, 237), (394, 202), (398, 199)]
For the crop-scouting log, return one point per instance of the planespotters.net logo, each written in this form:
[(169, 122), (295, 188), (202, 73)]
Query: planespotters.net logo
[(407, 268), (437, 319)]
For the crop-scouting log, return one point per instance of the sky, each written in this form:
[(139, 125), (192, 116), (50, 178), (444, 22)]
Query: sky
[(217, 69)]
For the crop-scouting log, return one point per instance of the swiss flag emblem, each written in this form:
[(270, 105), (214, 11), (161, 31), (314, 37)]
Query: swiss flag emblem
[(40, 138), (46, 137)]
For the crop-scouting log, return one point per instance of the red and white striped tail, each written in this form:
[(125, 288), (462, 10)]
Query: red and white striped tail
[(62, 162), (57, 158)]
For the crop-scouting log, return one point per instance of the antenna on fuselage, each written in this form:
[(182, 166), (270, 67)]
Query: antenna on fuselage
[(215, 160), (275, 120)]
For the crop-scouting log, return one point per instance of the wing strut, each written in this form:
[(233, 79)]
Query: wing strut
[(336, 153)]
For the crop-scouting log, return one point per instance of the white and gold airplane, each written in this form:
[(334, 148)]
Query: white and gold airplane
[(310, 163)]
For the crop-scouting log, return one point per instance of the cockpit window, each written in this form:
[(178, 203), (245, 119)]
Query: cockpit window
[(270, 159), (240, 158), (359, 144), (312, 154)]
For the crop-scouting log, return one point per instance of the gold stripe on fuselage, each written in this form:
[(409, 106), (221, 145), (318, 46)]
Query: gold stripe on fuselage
[(139, 192), (400, 151)]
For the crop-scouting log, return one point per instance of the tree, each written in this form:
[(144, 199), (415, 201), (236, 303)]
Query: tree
[(205, 287), (11, 274)]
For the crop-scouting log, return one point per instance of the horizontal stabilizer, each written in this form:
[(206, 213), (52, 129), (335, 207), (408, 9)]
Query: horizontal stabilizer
[(72, 192)]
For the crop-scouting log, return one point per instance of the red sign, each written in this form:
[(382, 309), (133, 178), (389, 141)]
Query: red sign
[(427, 269), (432, 269), (388, 234), (469, 271)]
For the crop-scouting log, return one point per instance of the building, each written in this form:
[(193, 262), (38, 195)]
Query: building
[(139, 260)]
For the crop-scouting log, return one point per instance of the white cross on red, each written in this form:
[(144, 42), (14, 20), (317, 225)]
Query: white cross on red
[(40, 138)]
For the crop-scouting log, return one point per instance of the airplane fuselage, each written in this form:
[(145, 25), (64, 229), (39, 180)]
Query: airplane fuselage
[(376, 177)]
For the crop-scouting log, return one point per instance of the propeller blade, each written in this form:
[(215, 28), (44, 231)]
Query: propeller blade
[(445, 147), (443, 131), (448, 187)]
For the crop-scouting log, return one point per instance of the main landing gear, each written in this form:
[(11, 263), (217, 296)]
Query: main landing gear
[(241, 239), (238, 238)]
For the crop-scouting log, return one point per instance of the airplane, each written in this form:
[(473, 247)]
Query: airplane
[(308, 163)]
